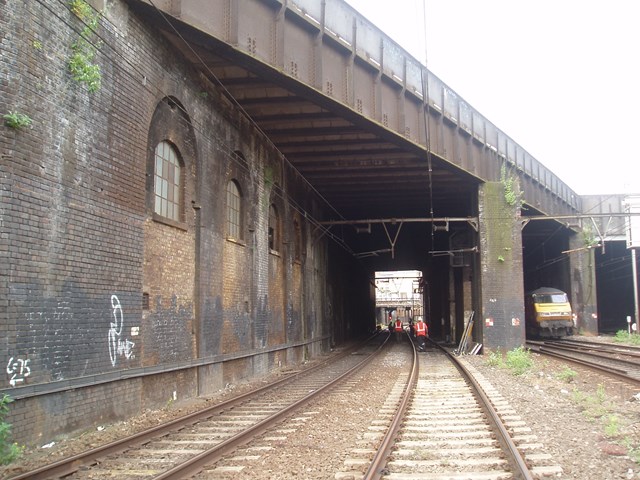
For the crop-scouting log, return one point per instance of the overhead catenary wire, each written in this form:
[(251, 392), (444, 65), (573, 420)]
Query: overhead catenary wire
[(424, 74)]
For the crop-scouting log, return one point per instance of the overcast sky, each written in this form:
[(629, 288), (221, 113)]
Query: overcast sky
[(560, 77)]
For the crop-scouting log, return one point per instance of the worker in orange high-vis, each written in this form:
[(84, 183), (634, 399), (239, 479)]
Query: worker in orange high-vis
[(421, 334), (397, 327)]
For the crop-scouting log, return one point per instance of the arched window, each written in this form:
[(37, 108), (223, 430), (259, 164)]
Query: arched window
[(167, 182), (274, 229), (234, 211)]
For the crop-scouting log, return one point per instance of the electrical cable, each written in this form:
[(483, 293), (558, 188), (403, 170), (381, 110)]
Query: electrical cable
[(425, 94)]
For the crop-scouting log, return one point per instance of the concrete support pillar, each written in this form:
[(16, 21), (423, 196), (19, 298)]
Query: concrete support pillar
[(583, 285), (501, 278)]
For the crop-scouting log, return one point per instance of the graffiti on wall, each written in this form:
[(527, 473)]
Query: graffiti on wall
[(18, 369), (118, 346)]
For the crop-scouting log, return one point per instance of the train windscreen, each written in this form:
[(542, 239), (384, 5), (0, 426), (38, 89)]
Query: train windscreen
[(551, 298)]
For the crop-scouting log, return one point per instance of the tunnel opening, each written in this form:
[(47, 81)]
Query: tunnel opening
[(614, 277), (416, 269), (399, 295)]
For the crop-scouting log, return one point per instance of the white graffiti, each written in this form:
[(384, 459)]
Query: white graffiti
[(19, 370), (117, 345)]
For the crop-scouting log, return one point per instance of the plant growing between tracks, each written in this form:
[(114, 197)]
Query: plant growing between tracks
[(518, 360), (623, 336), (567, 375)]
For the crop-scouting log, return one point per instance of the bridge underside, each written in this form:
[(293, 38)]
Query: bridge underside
[(362, 169), (394, 205)]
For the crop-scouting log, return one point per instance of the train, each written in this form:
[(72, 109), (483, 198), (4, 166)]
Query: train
[(548, 313)]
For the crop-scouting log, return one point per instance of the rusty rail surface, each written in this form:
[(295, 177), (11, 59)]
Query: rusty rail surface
[(70, 465), (520, 469), (568, 353)]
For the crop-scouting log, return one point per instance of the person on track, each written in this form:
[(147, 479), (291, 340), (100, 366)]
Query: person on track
[(421, 334), (397, 327)]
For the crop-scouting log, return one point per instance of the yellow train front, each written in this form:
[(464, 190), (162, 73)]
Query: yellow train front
[(548, 313)]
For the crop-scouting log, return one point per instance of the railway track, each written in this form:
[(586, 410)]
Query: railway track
[(616, 361), (181, 448), (432, 422), (431, 426), (447, 427)]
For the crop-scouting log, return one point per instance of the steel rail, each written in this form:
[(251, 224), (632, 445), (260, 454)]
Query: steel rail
[(375, 468), (609, 371), (70, 465), (518, 462), (622, 349), (603, 353), (195, 464), (375, 471)]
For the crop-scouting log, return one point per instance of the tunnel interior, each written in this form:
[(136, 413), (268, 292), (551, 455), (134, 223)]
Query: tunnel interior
[(614, 274), (384, 191), (545, 255), (418, 246)]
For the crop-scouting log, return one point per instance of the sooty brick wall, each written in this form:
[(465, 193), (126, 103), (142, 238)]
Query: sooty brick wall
[(94, 284), (502, 298), (72, 207)]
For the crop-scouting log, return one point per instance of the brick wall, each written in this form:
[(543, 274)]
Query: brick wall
[(80, 246), (502, 297), (583, 293)]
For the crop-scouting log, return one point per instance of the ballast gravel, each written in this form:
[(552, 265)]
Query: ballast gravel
[(590, 424)]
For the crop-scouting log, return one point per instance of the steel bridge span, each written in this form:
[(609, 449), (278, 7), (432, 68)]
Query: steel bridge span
[(410, 170)]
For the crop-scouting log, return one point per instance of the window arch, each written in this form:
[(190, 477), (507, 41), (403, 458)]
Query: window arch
[(234, 210), (274, 229), (168, 180)]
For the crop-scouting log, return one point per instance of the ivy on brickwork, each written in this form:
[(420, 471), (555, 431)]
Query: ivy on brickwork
[(81, 64), (512, 194)]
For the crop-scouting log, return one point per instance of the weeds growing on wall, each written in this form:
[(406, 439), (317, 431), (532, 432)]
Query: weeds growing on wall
[(16, 120), (8, 451), (81, 64), (588, 237), (512, 194)]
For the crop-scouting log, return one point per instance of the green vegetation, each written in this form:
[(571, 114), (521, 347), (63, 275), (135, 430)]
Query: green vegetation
[(518, 360), (588, 237), (16, 120), (512, 194), (8, 451), (632, 451), (567, 375), (81, 64), (81, 9), (612, 427), (622, 336), (593, 406), (494, 359)]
